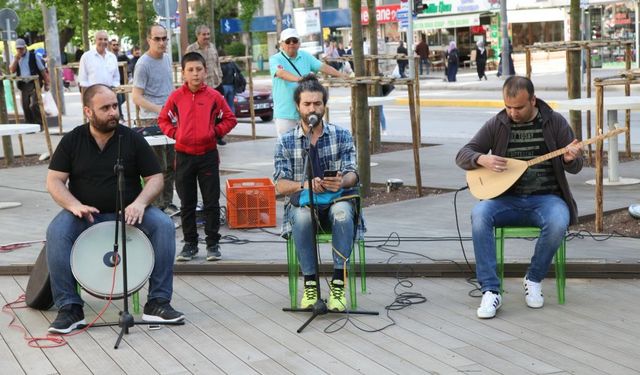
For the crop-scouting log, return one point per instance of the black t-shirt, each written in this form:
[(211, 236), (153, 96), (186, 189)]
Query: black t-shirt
[(91, 176)]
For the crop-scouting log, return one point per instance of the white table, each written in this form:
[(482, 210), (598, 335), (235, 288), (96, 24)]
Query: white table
[(158, 140), (9, 130), (612, 104)]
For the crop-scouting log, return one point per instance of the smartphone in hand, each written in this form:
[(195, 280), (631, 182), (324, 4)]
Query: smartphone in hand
[(330, 173)]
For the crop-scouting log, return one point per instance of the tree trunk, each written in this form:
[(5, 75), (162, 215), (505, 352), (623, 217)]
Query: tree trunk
[(360, 104), (85, 25), (575, 117), (374, 90), (279, 9), (142, 32)]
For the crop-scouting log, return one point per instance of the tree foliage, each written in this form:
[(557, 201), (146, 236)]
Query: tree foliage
[(118, 17), (247, 9)]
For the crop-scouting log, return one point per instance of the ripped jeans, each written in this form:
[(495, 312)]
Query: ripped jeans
[(339, 219)]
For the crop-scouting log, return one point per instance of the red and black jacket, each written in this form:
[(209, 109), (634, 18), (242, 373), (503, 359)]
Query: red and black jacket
[(196, 119)]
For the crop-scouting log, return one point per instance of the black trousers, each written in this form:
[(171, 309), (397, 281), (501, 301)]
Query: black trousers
[(30, 106), (202, 170)]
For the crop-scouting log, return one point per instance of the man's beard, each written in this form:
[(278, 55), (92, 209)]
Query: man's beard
[(105, 126)]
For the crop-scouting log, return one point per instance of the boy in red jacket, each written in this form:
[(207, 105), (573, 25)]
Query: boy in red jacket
[(195, 115)]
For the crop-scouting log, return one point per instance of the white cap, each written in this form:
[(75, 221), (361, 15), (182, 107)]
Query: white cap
[(288, 33)]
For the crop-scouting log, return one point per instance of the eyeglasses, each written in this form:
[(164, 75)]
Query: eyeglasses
[(159, 38), (291, 41)]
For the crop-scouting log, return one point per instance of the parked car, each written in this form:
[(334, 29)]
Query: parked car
[(262, 104)]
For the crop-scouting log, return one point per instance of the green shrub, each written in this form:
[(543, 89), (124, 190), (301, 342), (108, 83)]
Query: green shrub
[(234, 49)]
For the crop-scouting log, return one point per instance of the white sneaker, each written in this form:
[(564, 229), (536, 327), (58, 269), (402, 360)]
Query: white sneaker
[(533, 293), (490, 304)]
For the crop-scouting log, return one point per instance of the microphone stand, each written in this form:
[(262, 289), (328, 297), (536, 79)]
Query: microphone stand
[(320, 306), (126, 320)]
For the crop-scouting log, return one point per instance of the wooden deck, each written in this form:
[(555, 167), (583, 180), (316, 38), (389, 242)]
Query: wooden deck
[(235, 325)]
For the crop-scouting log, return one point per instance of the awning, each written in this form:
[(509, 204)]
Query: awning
[(463, 20), (535, 15), (336, 18)]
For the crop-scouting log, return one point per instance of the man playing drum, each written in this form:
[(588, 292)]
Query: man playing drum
[(85, 158)]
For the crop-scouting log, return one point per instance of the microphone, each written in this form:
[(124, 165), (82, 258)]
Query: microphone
[(313, 120)]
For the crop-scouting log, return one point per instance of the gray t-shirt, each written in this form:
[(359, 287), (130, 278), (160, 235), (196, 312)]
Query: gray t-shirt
[(154, 77)]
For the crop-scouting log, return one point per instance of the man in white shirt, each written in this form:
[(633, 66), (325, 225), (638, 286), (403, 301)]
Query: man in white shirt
[(98, 65)]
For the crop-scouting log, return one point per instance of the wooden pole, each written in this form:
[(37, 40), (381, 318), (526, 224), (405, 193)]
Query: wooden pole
[(251, 109), (353, 112), (126, 94), (627, 92), (415, 134), (58, 99), (43, 116), (599, 126), (16, 116), (590, 148), (528, 62), (417, 104)]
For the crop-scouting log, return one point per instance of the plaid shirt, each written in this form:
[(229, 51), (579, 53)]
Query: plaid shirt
[(210, 54), (335, 150)]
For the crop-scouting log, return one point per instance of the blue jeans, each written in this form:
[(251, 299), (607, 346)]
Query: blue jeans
[(65, 228), (338, 218), (426, 65), (229, 95), (547, 212), (383, 121)]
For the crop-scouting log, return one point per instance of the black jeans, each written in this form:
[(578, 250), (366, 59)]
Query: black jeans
[(30, 106), (191, 171)]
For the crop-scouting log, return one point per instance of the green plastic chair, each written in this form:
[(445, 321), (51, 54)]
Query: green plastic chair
[(519, 232)]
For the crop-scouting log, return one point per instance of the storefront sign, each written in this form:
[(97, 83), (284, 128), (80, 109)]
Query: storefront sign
[(442, 7), (432, 23), (384, 14)]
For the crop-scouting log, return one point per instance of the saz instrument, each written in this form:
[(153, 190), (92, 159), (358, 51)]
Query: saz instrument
[(486, 184), (91, 260)]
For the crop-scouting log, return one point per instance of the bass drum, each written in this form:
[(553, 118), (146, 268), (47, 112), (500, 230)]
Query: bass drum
[(92, 256)]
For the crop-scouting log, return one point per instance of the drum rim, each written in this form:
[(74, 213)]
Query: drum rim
[(131, 289)]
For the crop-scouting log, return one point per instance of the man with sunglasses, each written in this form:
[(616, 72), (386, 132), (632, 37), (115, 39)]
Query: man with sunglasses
[(152, 84), (288, 66)]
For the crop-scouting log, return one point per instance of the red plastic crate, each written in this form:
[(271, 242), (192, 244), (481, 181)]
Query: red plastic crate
[(251, 203)]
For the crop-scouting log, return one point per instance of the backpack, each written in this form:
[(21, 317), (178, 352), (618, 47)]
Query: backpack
[(453, 57), (239, 83)]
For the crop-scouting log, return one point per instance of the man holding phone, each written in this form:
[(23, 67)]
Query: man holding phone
[(332, 155), (28, 63)]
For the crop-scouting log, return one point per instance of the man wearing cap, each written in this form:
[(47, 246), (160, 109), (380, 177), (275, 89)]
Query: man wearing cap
[(27, 63), (288, 66)]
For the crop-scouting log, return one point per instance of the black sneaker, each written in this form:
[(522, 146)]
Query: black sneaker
[(213, 253), (221, 142), (159, 310), (189, 251), (69, 317)]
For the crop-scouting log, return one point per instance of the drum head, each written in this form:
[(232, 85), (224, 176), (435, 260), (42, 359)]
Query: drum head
[(38, 294), (91, 257)]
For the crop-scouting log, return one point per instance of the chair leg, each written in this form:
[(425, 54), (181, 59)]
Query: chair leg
[(363, 266), (292, 263), (561, 258), (353, 293), (499, 233), (136, 303)]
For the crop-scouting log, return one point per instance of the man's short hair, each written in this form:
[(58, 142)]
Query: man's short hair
[(91, 91), (151, 28), (515, 84), (310, 83), (201, 28), (193, 56)]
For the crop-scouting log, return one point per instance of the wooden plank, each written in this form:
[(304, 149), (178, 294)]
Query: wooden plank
[(83, 345), (221, 318), (34, 360), (8, 362), (270, 319), (386, 350)]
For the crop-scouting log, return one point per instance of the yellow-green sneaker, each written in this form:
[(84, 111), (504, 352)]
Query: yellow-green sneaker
[(337, 300), (310, 295)]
